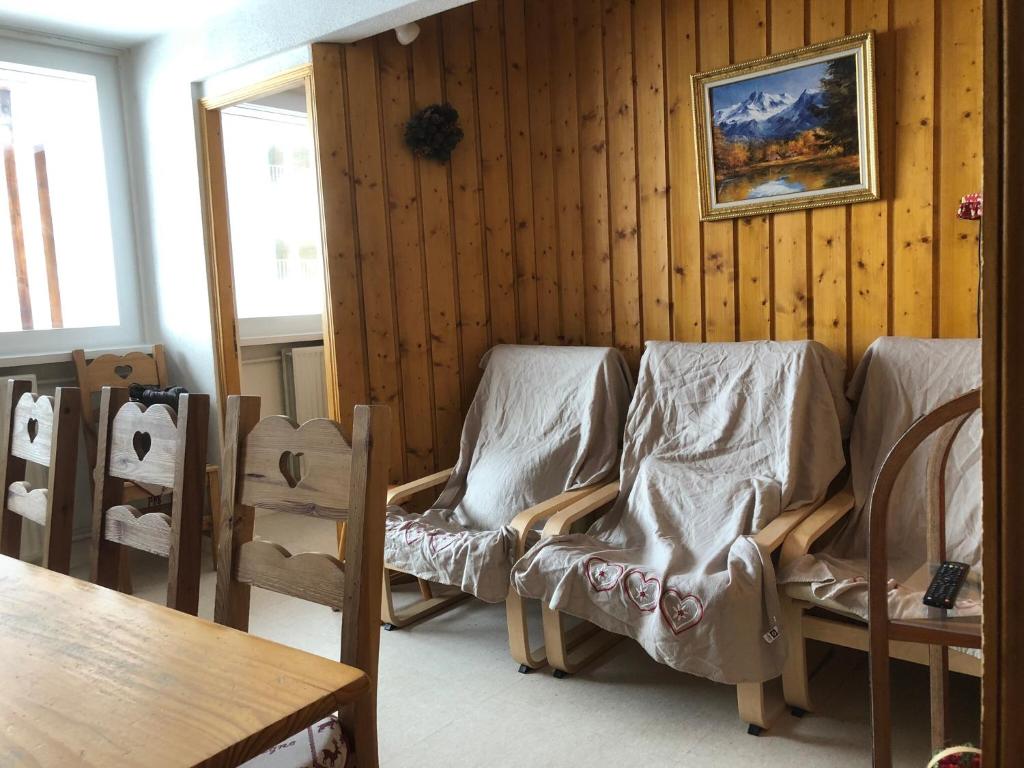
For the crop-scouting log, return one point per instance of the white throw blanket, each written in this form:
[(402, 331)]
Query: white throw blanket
[(544, 420), (720, 439), (898, 381)]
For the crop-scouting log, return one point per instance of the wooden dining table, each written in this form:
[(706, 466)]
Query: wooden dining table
[(93, 678)]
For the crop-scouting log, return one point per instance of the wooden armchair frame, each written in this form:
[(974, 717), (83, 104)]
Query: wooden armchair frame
[(151, 447), (586, 642), (805, 620), (121, 371), (339, 482), (515, 610), (44, 431), (937, 633)]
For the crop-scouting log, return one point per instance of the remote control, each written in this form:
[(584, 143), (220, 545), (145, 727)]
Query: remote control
[(946, 584)]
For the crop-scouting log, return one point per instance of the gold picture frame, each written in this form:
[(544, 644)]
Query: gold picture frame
[(772, 152)]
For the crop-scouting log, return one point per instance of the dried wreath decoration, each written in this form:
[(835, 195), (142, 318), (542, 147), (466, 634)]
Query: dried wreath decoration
[(434, 131)]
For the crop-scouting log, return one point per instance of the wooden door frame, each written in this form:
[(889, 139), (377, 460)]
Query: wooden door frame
[(1003, 413), (218, 241)]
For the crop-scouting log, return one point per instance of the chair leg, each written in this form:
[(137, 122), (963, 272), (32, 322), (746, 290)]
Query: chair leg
[(938, 679), (795, 684), (341, 540), (519, 634), (394, 619), (585, 640), (750, 701), (213, 494)]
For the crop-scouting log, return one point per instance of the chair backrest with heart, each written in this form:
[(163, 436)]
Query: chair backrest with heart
[(311, 470), (113, 371), (44, 431), (159, 448)]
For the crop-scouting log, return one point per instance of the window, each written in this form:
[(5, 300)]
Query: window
[(68, 275), (274, 216), (56, 256)]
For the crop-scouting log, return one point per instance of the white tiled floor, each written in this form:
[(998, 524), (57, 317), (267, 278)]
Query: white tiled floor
[(450, 695)]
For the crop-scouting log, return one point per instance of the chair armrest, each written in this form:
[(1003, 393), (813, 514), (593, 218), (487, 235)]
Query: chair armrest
[(399, 493), (562, 521), (524, 522), (802, 537)]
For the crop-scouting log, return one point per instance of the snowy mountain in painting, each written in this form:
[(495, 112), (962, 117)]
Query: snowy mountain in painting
[(757, 106), (770, 116)]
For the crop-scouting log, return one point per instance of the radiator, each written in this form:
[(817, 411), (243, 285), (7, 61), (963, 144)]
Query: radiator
[(31, 534), (305, 395)]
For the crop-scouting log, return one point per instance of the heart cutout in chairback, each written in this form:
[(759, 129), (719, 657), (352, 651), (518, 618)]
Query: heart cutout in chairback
[(142, 442), (124, 371), (290, 468), (32, 427)]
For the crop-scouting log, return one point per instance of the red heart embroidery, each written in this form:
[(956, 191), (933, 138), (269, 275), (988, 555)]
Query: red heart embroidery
[(413, 533), (440, 540), (603, 575), (681, 612), (643, 590)]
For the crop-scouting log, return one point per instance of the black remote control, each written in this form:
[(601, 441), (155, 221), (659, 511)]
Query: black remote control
[(946, 584)]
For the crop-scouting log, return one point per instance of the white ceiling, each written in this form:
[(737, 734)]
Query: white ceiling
[(117, 23)]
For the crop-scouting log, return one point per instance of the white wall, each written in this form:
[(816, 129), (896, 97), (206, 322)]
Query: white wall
[(164, 78)]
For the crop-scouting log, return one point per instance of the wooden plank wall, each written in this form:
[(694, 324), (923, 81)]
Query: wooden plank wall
[(568, 214)]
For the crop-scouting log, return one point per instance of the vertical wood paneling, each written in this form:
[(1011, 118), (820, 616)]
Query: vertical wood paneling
[(684, 244), (869, 222), (753, 243), (594, 174), (789, 241), (347, 350), (828, 225), (566, 137), (618, 73), (442, 304), (568, 214), (719, 247), (538, 48), (460, 89), (913, 203), (410, 288), (522, 178), (960, 166), (373, 243), (490, 72), (652, 170)]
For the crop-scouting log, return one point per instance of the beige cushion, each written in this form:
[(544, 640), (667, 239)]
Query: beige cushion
[(322, 745), (803, 591)]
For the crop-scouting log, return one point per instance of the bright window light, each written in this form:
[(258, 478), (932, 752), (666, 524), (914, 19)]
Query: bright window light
[(274, 212), (56, 249)]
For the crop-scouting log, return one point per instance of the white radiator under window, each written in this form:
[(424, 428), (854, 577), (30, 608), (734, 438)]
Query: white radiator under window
[(305, 394)]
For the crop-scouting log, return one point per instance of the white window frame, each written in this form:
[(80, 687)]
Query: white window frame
[(106, 69)]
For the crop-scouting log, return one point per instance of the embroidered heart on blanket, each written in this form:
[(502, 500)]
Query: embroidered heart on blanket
[(602, 574), (643, 590), (681, 612), (440, 540), (414, 533)]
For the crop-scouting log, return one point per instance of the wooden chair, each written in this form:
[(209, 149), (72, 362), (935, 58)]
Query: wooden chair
[(121, 371), (430, 603), (337, 481), (571, 650), (42, 430), (805, 619), (937, 633), (152, 447)]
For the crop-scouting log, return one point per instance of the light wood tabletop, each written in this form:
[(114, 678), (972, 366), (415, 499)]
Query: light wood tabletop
[(94, 678)]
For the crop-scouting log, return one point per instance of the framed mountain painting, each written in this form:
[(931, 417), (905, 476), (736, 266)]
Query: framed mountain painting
[(789, 131)]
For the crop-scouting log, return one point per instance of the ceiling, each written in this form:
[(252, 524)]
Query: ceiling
[(116, 23)]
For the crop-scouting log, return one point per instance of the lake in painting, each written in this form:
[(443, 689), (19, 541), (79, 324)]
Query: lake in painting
[(786, 133)]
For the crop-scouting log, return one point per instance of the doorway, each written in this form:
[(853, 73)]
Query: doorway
[(266, 261)]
